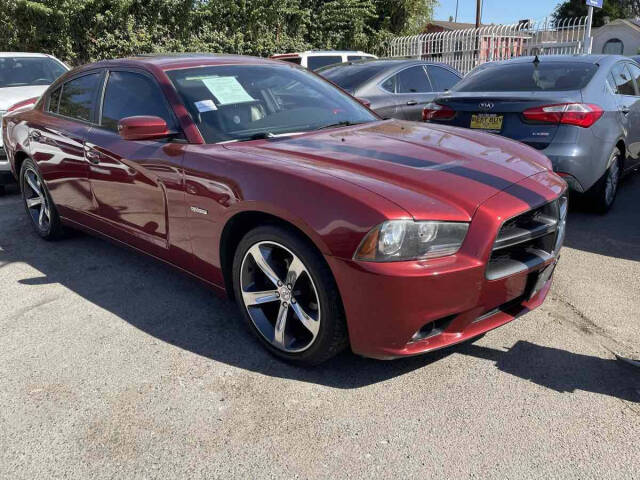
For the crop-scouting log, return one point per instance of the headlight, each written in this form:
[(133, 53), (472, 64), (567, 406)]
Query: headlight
[(398, 240)]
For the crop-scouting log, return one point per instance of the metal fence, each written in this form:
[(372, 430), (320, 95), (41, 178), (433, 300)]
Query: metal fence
[(465, 49)]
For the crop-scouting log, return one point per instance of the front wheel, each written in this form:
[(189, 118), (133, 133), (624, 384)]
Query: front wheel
[(604, 192), (288, 296), (37, 202)]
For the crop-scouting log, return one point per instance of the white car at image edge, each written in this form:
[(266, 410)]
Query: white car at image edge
[(23, 76)]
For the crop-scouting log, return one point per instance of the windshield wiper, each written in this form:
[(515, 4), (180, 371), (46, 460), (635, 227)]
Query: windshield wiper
[(345, 123)]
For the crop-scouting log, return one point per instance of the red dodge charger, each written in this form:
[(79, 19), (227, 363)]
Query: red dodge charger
[(328, 225)]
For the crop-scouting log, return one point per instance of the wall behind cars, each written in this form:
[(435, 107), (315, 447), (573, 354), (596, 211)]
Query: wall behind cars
[(80, 31)]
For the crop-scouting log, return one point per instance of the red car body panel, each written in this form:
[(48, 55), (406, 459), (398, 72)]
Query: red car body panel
[(333, 185)]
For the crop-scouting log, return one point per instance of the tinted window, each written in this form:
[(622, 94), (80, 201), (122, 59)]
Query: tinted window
[(624, 84), (21, 71), (54, 99), (78, 97), (296, 60), (129, 94), (635, 74), (529, 77), (352, 58), (317, 62), (441, 78), (412, 80), (244, 102), (351, 77)]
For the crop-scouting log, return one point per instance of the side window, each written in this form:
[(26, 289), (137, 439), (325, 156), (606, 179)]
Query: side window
[(623, 81), (54, 100), (390, 84), (413, 80), (129, 94), (441, 78), (352, 58), (78, 97), (319, 61), (635, 75)]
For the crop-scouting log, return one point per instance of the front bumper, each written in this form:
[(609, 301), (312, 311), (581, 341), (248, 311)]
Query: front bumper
[(386, 304)]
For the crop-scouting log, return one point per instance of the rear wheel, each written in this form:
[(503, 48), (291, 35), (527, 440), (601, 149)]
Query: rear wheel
[(603, 194), (37, 202), (288, 296)]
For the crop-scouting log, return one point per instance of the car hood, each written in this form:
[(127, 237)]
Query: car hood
[(431, 171), (11, 95)]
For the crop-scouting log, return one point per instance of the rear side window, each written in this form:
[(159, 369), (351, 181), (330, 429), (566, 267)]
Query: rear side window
[(129, 94), (529, 77), (412, 80), (353, 58), (317, 62), (54, 100), (352, 77), (635, 74), (78, 97), (623, 82), (441, 78)]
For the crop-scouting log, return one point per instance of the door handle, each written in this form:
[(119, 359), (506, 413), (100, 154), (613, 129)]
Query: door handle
[(412, 102), (35, 135), (92, 156), (625, 110)]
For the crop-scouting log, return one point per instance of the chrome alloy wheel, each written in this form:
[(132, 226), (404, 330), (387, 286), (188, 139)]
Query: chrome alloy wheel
[(613, 178), (280, 296), (36, 200)]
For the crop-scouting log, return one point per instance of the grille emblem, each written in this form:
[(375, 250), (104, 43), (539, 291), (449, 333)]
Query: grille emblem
[(486, 106)]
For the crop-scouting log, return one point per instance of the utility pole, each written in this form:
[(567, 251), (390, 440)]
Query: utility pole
[(478, 13), (456, 18), (587, 31)]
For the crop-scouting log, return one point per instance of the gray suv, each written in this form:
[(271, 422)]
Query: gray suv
[(582, 111)]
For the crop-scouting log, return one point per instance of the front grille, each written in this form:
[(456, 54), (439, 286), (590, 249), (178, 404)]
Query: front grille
[(528, 240)]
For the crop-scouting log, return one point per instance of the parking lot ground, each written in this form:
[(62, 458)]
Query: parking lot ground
[(115, 366)]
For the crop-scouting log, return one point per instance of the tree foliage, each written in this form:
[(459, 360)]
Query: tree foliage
[(611, 8), (80, 31)]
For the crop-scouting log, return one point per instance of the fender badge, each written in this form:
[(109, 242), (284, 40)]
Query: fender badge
[(201, 211)]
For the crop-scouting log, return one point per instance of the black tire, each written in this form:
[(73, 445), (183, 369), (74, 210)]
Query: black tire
[(51, 229), (332, 336), (600, 197)]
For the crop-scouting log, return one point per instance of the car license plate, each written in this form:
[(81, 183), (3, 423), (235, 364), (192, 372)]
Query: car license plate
[(543, 278), (487, 121)]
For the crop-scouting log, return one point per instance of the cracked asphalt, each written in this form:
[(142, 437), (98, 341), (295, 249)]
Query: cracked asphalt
[(114, 366)]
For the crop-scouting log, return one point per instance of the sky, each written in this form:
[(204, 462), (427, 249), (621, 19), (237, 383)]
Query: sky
[(496, 11)]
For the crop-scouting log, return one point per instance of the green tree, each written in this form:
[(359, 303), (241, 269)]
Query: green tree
[(578, 8)]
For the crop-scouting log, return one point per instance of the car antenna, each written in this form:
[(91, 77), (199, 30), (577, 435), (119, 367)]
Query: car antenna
[(536, 60)]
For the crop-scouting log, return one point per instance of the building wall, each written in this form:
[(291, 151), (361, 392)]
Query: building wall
[(629, 36)]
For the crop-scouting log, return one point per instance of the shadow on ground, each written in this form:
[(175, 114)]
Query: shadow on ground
[(615, 234), (181, 311)]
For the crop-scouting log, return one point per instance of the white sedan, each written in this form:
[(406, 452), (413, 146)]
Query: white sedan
[(23, 76)]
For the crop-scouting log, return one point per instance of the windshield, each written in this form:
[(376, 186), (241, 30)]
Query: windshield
[(244, 102), (528, 77), (23, 71), (351, 77)]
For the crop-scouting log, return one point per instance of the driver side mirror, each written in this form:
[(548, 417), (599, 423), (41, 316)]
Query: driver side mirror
[(143, 127)]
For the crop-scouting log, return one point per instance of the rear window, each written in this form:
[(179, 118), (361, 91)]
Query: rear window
[(351, 77), (529, 77), (317, 62), (296, 60)]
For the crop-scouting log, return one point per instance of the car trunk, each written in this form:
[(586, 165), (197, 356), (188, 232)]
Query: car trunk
[(484, 111)]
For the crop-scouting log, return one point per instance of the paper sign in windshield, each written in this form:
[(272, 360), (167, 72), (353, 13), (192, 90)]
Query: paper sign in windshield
[(227, 90)]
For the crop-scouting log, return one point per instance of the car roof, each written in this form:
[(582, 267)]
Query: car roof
[(23, 54), (388, 63), (582, 58), (323, 52), (171, 61)]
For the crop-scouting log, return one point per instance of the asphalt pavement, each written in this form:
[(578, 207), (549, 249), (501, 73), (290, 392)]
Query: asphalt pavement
[(115, 366)]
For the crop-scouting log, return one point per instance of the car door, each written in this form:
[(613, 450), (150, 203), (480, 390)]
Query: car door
[(633, 142), (412, 91), (57, 142), (136, 184)]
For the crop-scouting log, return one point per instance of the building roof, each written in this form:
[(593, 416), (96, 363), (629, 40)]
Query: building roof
[(633, 23), (452, 25)]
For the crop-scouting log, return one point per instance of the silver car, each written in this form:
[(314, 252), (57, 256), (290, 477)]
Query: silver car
[(581, 111), (393, 88)]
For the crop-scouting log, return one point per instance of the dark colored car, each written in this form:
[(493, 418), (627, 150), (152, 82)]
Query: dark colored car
[(329, 226), (581, 111), (394, 88)]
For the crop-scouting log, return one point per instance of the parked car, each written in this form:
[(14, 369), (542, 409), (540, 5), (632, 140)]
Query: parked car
[(315, 59), (329, 226), (581, 111), (394, 88), (23, 76)]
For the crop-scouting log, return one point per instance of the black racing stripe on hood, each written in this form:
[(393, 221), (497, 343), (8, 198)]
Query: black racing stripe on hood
[(526, 195)]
